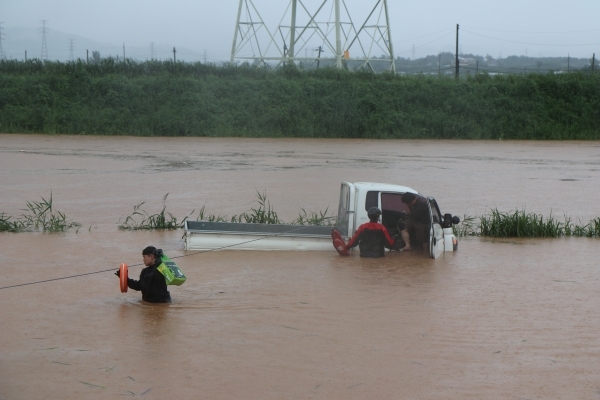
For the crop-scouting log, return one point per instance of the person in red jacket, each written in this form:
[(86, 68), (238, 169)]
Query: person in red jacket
[(371, 237)]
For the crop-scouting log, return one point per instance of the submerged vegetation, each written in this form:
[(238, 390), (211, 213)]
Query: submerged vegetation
[(521, 224), (141, 219), (159, 98), (518, 224), (38, 216), (262, 214), (41, 216)]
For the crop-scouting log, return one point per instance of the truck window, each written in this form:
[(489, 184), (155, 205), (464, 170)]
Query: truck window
[(343, 209), (372, 200), (435, 211), (391, 208)]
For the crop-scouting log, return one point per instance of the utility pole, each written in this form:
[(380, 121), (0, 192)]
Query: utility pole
[(123, 51), (174, 57), (87, 56), (70, 49), (152, 56), (568, 61), (338, 36), (44, 44), (291, 53), (389, 34), (235, 33), (2, 55), (593, 61), (25, 55), (320, 50), (457, 67), (440, 64)]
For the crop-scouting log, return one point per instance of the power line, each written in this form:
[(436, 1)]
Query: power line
[(545, 32), (422, 45), (532, 44), (451, 30)]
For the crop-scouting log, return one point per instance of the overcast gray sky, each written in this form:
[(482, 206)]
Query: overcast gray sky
[(500, 28)]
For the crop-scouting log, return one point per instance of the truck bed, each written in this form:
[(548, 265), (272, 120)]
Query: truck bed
[(202, 235)]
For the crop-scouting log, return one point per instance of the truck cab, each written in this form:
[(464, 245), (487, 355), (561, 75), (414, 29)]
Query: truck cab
[(357, 198)]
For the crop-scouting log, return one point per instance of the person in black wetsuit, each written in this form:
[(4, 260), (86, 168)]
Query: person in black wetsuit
[(371, 237), (418, 224), (152, 283)]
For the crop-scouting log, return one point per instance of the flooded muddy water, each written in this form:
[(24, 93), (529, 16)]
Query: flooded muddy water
[(498, 319)]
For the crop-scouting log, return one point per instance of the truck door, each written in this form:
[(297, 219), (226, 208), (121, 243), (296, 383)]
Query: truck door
[(345, 221), (436, 233)]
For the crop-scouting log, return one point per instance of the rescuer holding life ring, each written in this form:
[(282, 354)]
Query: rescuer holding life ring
[(152, 283), (371, 237)]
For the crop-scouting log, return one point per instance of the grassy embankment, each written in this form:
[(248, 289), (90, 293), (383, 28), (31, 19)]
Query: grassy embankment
[(159, 99)]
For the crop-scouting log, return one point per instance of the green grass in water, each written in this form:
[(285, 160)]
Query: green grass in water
[(521, 224), (140, 219), (38, 216)]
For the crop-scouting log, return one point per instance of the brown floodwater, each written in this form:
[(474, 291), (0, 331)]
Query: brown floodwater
[(499, 319)]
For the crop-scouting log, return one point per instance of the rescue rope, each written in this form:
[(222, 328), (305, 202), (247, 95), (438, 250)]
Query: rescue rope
[(137, 265)]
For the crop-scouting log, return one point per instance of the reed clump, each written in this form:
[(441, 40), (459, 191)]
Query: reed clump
[(140, 219), (38, 216), (320, 218), (521, 224), (265, 214), (6, 225)]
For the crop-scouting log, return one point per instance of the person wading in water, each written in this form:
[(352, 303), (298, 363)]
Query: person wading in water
[(152, 283), (418, 224), (371, 237)]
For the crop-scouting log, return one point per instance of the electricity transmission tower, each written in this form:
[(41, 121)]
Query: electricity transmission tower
[(323, 23), (70, 49), (44, 44), (2, 55)]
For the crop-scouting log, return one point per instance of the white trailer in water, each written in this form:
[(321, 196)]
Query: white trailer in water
[(355, 200)]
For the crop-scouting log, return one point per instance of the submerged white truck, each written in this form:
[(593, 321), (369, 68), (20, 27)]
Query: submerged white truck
[(355, 200)]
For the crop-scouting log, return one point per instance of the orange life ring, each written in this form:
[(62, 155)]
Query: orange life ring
[(123, 272), (338, 242)]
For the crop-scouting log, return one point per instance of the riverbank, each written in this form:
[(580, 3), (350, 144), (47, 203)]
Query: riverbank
[(159, 99)]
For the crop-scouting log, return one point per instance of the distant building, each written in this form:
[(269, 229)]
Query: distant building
[(465, 62)]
